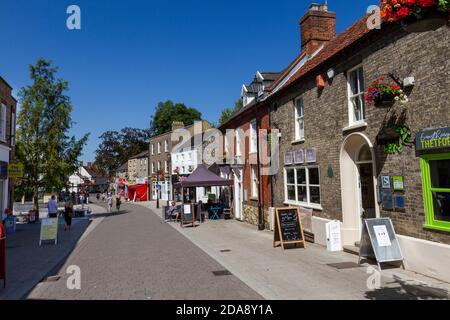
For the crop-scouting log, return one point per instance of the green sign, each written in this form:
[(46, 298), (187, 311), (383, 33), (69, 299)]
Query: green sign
[(433, 139), (399, 184)]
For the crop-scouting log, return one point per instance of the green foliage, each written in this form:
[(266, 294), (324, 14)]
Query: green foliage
[(168, 112), (227, 113), (117, 147), (49, 155), (405, 140)]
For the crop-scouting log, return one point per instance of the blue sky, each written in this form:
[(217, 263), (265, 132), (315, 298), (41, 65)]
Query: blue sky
[(132, 54)]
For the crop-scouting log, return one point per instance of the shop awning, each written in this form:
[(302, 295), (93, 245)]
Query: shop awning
[(202, 177)]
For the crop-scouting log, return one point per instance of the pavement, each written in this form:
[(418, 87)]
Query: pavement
[(302, 274), (133, 255), (28, 264)]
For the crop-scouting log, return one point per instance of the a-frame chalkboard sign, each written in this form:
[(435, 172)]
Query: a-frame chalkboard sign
[(187, 215), (288, 228)]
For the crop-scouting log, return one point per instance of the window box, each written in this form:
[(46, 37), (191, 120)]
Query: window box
[(436, 190)]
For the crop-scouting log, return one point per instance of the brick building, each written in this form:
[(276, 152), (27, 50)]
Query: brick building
[(8, 106), (138, 166), (252, 191), (333, 143)]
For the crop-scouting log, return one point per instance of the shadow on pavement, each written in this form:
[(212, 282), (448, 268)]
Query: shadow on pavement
[(399, 289)]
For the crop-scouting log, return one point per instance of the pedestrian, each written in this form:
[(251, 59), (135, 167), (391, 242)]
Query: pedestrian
[(68, 214), (118, 203), (110, 202), (52, 207), (98, 197)]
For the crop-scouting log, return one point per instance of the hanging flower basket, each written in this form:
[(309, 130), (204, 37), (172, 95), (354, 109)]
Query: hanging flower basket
[(382, 94), (416, 15)]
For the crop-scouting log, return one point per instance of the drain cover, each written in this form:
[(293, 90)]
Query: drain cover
[(224, 251), (344, 265), (222, 273)]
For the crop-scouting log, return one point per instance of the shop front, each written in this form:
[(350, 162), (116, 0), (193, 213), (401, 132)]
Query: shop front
[(433, 148), (4, 160)]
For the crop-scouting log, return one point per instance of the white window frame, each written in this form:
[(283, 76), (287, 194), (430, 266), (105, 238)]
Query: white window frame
[(166, 146), (153, 167), (159, 166), (308, 186), (159, 147), (13, 129), (152, 147), (3, 123), (359, 95), (299, 119), (166, 166), (239, 142), (254, 182), (253, 137)]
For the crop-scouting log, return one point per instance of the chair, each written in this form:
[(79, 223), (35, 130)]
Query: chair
[(215, 213)]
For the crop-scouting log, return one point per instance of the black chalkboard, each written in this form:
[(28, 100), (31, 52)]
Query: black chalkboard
[(288, 227)]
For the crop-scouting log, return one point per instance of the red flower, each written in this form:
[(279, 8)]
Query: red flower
[(395, 87), (381, 78), (426, 3), (403, 12), (411, 3)]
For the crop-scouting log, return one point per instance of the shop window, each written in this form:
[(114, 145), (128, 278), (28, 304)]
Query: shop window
[(436, 188), (303, 186)]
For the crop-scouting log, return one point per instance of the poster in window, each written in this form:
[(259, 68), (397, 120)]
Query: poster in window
[(288, 158), (299, 157), (311, 155)]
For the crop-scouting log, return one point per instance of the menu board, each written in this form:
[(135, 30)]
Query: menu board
[(288, 227), (187, 217)]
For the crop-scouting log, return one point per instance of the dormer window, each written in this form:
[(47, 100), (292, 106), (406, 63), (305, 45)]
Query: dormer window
[(261, 89)]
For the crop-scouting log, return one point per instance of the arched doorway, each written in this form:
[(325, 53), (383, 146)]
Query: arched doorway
[(358, 185)]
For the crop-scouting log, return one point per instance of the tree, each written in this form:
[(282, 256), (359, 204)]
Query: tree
[(117, 147), (48, 154), (168, 112), (227, 113)]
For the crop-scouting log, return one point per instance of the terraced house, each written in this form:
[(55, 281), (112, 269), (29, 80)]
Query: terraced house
[(347, 156)]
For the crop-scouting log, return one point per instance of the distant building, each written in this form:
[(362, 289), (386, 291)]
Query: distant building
[(88, 178), (138, 167)]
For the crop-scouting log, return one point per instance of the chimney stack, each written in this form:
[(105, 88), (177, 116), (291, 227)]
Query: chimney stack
[(177, 125), (317, 27)]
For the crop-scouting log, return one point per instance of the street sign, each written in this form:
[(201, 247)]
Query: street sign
[(49, 230), (15, 170), (379, 241), (288, 227)]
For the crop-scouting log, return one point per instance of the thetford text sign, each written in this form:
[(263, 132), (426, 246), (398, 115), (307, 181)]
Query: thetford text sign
[(433, 139)]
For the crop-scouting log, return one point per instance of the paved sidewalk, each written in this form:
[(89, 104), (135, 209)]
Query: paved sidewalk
[(300, 274), (28, 264)]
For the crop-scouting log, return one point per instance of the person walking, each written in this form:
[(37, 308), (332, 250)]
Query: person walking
[(52, 207), (118, 203), (110, 202), (68, 214)]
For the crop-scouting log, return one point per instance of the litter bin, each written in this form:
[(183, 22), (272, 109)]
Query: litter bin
[(10, 224)]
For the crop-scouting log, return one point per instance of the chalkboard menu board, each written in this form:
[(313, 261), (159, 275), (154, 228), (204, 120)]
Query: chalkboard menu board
[(288, 227)]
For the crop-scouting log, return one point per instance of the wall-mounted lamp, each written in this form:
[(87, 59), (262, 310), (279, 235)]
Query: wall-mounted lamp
[(330, 73)]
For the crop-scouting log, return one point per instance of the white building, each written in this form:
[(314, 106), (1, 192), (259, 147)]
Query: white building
[(185, 159)]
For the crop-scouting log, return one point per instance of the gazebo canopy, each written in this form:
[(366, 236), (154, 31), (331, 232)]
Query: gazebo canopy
[(202, 177)]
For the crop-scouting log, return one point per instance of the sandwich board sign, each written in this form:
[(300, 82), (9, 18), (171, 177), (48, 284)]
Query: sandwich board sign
[(379, 242), (288, 227), (49, 230), (187, 216)]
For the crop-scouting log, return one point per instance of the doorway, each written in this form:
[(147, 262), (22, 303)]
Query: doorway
[(358, 186)]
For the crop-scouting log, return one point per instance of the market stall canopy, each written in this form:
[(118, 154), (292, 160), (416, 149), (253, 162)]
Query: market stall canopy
[(202, 177)]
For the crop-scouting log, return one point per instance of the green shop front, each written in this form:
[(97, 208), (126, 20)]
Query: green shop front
[(433, 148)]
